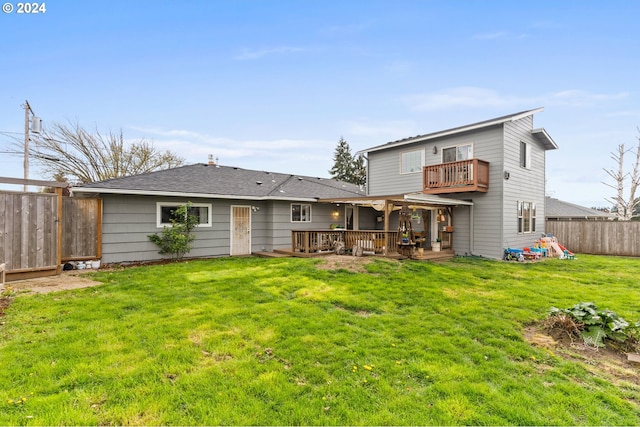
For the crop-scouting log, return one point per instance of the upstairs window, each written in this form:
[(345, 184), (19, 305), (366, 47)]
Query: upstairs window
[(300, 212), (525, 155), (457, 153), (411, 161)]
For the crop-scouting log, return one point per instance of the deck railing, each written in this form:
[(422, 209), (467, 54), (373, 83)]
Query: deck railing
[(456, 177), (316, 241)]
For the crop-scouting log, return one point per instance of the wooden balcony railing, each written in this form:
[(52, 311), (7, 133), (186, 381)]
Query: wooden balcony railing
[(456, 177), (317, 241)]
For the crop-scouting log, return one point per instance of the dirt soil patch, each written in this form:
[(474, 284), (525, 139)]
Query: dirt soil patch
[(43, 285), (347, 262), (611, 363)]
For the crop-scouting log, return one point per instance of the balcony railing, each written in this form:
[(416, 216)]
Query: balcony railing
[(318, 241), (456, 177)]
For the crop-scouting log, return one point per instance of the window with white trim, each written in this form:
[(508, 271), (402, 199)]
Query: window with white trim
[(525, 155), (411, 161), (166, 210), (526, 217), (300, 212), (457, 153)]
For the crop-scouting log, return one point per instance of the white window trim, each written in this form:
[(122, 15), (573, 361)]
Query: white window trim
[(160, 205), (527, 154), (533, 215), (422, 157), (456, 146), (301, 204)]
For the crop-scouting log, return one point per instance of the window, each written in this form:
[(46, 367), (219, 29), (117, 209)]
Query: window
[(300, 212), (525, 155), (411, 161), (526, 217), (457, 153), (166, 211)]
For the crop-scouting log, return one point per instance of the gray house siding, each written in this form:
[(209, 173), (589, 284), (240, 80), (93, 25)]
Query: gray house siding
[(128, 220), (384, 173), (523, 184)]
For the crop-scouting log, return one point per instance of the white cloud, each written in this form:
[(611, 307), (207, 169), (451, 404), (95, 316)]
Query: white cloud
[(477, 97), (491, 36), (248, 54), (282, 155)]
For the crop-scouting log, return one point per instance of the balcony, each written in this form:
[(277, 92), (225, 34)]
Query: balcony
[(456, 177)]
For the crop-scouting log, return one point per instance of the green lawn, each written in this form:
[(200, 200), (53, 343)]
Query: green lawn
[(255, 341)]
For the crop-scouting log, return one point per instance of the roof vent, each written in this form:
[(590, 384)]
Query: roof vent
[(259, 182), (211, 162), (299, 178)]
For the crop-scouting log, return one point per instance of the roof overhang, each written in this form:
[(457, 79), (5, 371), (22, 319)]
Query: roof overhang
[(544, 138), (418, 200), (96, 191)]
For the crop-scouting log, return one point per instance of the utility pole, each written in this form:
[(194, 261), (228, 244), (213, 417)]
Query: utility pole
[(35, 128), (27, 110)]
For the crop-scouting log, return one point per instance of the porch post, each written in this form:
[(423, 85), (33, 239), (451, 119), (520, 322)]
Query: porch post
[(387, 238)]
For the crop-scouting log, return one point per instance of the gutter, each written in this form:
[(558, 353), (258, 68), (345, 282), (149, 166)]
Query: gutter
[(81, 190)]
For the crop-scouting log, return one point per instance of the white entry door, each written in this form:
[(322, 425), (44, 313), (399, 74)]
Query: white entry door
[(240, 230)]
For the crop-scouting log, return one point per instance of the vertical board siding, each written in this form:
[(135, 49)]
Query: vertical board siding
[(28, 231), (80, 228), (619, 238)]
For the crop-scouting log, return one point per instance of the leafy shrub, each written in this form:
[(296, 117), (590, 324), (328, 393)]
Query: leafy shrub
[(595, 326), (177, 238)]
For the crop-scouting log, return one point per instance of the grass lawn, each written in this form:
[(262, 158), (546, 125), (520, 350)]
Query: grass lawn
[(255, 341)]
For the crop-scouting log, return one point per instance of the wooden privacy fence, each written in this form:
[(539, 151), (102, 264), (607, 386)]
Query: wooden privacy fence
[(620, 238), (40, 231), (81, 229)]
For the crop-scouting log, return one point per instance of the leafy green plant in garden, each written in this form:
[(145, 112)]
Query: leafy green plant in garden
[(177, 238), (595, 326)]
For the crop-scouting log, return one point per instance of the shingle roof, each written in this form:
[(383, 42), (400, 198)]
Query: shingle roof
[(224, 181), (564, 210)]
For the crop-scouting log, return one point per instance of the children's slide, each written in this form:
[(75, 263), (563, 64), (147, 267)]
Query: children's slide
[(560, 250)]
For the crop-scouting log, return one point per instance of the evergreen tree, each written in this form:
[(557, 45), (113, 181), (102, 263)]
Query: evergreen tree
[(359, 170), (343, 167)]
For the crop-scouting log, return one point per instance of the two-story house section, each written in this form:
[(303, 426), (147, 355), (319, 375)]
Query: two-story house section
[(484, 183)]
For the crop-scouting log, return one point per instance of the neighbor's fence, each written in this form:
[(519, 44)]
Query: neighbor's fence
[(620, 238)]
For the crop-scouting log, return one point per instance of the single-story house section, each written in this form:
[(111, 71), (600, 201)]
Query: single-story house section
[(558, 210), (241, 211)]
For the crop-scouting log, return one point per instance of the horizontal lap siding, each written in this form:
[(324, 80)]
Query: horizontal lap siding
[(128, 220), (523, 184), (384, 173)]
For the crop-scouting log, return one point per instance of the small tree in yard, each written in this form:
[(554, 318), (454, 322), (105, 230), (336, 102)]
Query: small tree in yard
[(177, 238)]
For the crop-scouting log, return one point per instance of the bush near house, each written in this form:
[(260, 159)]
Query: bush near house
[(177, 238)]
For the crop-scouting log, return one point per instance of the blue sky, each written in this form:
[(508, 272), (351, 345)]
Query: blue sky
[(273, 85)]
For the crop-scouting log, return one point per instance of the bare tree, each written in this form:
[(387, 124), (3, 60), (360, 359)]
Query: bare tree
[(625, 206), (71, 151)]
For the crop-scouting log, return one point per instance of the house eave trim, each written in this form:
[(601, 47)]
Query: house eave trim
[(187, 195)]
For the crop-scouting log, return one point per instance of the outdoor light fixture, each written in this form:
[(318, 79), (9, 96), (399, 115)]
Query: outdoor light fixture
[(435, 149)]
